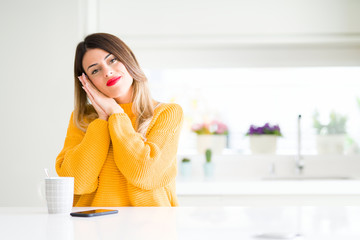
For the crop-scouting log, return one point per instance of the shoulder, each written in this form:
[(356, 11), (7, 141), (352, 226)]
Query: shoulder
[(172, 109), (167, 117)]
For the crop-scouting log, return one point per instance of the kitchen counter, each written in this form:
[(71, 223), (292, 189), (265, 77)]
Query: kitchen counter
[(186, 223), (197, 186), (248, 180), (230, 192)]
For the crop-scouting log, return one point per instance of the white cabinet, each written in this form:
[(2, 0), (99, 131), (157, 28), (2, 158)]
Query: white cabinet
[(246, 180), (242, 18), (245, 33)]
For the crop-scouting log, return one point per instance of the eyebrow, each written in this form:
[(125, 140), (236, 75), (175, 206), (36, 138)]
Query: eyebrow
[(96, 63)]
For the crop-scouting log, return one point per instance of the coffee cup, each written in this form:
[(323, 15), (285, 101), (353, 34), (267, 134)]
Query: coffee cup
[(59, 192)]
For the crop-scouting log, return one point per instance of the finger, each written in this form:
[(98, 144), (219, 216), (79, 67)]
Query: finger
[(79, 78), (92, 100), (88, 91), (92, 94), (91, 97), (97, 107), (83, 83), (84, 80), (91, 86), (83, 77)]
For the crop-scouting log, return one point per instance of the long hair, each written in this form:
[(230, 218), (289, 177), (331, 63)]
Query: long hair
[(142, 105)]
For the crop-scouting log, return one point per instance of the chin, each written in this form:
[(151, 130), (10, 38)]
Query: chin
[(117, 92), (115, 95)]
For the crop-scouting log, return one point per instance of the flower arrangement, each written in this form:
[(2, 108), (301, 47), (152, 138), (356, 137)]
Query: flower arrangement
[(213, 128), (267, 129)]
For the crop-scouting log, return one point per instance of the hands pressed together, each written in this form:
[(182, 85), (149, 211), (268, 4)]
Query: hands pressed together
[(103, 105)]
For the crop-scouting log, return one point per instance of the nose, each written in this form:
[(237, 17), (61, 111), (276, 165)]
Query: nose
[(108, 72)]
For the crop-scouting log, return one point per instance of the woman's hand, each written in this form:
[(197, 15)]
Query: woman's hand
[(103, 105)]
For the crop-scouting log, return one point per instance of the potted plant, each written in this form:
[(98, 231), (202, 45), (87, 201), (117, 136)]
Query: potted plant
[(185, 167), (331, 136), (211, 136), (263, 139), (208, 165)]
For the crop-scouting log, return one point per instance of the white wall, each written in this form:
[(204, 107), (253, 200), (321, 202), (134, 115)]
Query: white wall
[(38, 40)]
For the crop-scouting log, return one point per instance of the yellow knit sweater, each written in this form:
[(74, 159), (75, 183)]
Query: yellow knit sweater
[(113, 166)]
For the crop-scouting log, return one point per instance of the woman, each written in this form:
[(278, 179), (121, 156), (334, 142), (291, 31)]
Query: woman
[(121, 148)]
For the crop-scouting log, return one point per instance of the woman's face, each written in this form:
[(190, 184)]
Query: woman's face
[(108, 74)]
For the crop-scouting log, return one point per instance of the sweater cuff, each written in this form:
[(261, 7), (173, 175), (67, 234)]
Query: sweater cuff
[(116, 115), (120, 125), (98, 129)]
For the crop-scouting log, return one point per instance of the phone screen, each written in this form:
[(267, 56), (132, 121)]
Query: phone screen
[(92, 213)]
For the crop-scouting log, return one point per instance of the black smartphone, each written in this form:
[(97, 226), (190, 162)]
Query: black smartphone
[(93, 213)]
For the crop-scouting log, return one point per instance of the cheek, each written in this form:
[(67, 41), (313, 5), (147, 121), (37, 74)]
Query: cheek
[(97, 83), (128, 82), (128, 77)]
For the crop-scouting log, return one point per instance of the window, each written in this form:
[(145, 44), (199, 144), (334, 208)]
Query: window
[(244, 96)]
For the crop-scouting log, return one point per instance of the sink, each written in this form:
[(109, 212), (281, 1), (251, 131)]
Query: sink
[(309, 178)]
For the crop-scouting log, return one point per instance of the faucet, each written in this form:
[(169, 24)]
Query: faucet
[(299, 163)]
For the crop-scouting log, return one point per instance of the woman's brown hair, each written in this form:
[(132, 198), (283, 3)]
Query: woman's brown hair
[(142, 105)]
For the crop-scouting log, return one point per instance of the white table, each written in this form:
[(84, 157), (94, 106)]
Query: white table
[(314, 223)]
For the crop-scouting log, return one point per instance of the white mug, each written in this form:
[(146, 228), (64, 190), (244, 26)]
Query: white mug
[(59, 193)]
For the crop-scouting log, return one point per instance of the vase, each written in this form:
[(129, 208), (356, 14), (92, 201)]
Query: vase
[(216, 143), (330, 144), (185, 169), (208, 170), (263, 144)]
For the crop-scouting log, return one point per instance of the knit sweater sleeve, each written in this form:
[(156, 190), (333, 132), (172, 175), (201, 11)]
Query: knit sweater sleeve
[(84, 154), (147, 164)]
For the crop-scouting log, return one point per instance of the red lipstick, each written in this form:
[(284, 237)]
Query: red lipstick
[(112, 81)]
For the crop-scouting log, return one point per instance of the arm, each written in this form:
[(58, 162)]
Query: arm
[(84, 154), (150, 164)]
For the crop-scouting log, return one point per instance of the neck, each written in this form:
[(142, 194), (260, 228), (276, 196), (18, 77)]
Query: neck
[(127, 98)]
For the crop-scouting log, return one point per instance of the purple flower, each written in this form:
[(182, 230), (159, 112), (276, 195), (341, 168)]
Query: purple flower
[(266, 129)]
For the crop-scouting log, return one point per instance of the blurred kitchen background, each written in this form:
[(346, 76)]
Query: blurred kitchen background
[(241, 63)]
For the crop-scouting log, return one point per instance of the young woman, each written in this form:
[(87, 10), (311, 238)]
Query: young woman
[(121, 148)]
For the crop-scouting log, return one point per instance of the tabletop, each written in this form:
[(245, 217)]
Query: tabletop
[(291, 222)]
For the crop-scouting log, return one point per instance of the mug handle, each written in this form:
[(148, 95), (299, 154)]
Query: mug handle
[(41, 191)]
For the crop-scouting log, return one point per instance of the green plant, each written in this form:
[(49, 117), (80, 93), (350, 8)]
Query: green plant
[(336, 124), (185, 160), (208, 154)]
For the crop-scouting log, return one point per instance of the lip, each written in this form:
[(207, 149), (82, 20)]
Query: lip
[(112, 81)]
